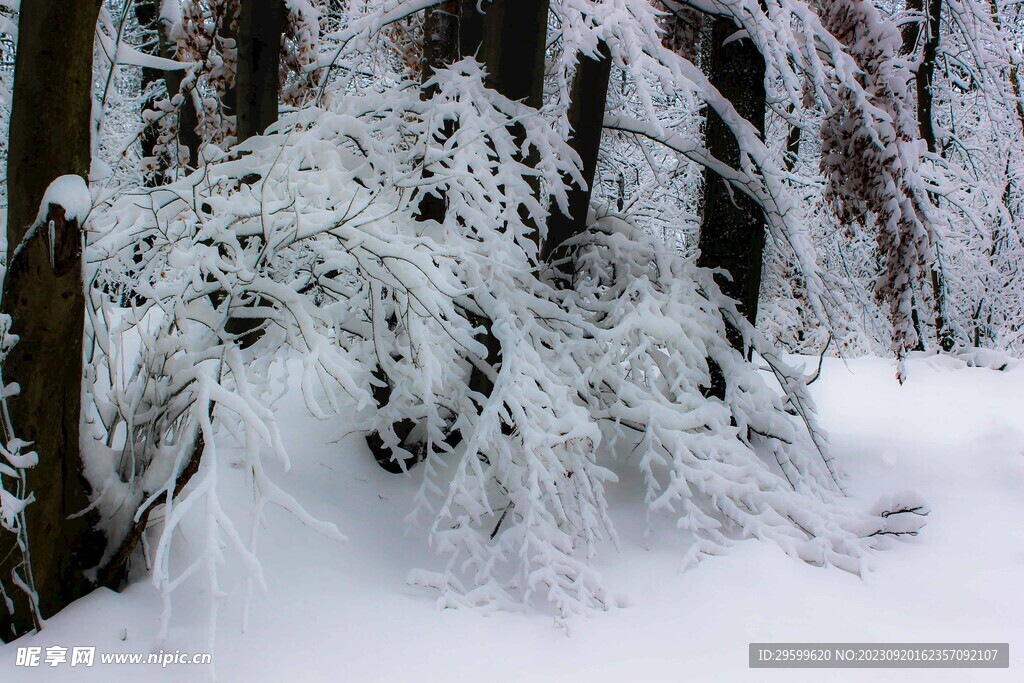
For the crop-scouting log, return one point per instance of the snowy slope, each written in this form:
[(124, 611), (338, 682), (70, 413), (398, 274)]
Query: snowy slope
[(342, 612)]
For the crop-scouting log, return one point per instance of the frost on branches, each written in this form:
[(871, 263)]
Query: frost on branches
[(870, 155), (15, 458), (311, 233), (203, 35)]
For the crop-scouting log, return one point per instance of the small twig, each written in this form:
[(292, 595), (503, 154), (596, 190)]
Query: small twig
[(111, 574), (821, 360), (502, 519)]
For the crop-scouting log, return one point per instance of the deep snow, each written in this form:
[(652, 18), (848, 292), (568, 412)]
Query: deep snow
[(343, 612)]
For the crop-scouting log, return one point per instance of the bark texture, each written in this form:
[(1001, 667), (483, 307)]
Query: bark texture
[(440, 49), (50, 113), (931, 21), (587, 101), (43, 293), (732, 230), (257, 80), (45, 298), (514, 40)]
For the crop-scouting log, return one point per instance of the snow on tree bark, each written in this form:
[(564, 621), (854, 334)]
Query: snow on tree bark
[(44, 296)]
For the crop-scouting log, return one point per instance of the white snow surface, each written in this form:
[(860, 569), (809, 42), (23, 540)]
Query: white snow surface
[(343, 612), (69, 191)]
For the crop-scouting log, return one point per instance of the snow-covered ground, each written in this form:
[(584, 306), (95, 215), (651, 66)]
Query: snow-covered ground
[(343, 612)]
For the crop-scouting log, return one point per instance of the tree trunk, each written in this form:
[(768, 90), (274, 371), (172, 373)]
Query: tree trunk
[(793, 145), (923, 81), (43, 293), (471, 28), (911, 31), (50, 128), (514, 40), (257, 81), (733, 225), (227, 34), (441, 35), (926, 73), (147, 13), (440, 49), (512, 50), (44, 296), (587, 101), (1014, 73)]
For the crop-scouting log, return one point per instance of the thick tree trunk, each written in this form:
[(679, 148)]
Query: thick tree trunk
[(733, 225), (256, 94), (471, 28), (587, 101), (43, 293), (257, 79), (514, 40), (441, 47), (512, 49), (50, 115), (227, 34), (44, 296), (441, 34)]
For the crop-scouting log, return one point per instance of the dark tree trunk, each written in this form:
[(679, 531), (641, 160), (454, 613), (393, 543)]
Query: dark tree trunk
[(440, 49), (471, 28), (733, 225), (44, 296), (923, 81), (43, 293), (1014, 72), (926, 73), (911, 31), (227, 34), (793, 146), (256, 91), (514, 40), (148, 15), (587, 101), (50, 127), (188, 117), (257, 79), (441, 36)]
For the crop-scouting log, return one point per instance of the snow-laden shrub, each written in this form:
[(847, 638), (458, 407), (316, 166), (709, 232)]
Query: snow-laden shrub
[(15, 457), (310, 234)]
